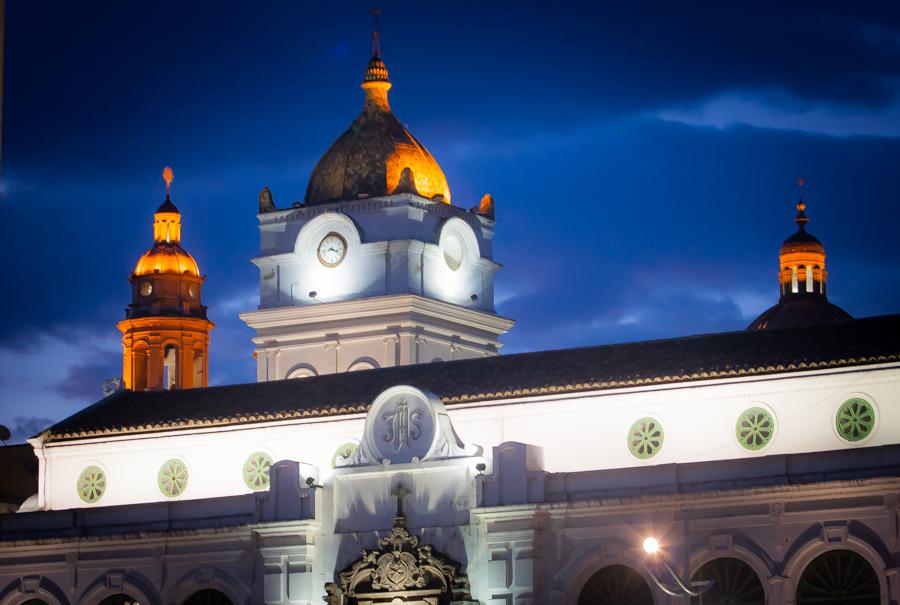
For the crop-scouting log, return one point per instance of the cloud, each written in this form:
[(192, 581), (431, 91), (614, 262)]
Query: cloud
[(23, 427), (780, 111), (83, 380)]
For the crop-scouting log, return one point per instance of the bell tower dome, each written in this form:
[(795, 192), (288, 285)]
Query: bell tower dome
[(801, 282), (165, 333)]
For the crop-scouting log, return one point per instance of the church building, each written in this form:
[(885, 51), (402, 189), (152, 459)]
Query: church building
[(388, 454)]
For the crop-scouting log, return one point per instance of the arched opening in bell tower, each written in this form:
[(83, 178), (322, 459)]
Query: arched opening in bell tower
[(170, 368)]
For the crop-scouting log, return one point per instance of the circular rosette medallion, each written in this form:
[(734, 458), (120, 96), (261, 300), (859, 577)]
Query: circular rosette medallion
[(754, 428), (172, 478), (256, 471), (855, 419), (645, 438), (91, 484)]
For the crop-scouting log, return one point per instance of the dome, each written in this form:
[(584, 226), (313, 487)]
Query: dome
[(802, 278), (167, 258), (369, 159), (801, 241), (799, 312)]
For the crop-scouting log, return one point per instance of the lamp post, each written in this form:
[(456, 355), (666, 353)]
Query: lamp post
[(681, 588)]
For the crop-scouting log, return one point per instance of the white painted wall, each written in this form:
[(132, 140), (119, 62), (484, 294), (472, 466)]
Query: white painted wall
[(581, 432)]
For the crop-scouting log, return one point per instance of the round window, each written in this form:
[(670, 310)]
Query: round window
[(453, 251), (172, 478), (855, 419), (146, 288), (754, 428), (91, 484), (256, 471), (645, 438)]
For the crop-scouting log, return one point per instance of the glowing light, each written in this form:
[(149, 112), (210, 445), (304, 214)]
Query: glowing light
[(651, 545), (168, 177)]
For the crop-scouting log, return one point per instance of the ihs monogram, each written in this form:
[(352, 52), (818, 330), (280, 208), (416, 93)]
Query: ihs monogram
[(402, 425)]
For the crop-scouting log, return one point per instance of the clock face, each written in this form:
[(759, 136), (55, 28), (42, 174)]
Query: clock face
[(332, 250), (146, 288)]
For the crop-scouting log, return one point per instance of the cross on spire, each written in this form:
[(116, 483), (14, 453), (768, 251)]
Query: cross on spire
[(376, 35), (400, 492)]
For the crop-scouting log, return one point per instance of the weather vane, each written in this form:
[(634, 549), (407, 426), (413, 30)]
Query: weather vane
[(376, 36), (168, 177)]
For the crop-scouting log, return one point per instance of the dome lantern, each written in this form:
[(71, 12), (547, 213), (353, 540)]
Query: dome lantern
[(801, 280)]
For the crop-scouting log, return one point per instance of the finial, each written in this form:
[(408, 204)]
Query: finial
[(168, 177), (801, 219), (376, 35)]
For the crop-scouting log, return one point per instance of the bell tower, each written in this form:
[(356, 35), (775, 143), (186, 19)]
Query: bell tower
[(165, 333), (376, 267)]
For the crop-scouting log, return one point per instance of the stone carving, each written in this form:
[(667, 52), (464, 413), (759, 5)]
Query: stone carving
[(407, 183), (400, 568), (266, 204), (407, 425)]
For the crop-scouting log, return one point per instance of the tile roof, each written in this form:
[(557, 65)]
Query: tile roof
[(708, 356)]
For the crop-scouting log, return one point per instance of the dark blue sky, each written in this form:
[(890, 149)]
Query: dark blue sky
[(643, 156)]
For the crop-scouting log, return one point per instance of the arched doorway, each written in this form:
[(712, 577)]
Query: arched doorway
[(119, 599), (839, 577), (734, 583), (208, 596), (616, 585)]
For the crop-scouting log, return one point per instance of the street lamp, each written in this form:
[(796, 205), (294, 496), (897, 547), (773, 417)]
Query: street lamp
[(681, 588)]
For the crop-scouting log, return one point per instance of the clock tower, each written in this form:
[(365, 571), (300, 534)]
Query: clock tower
[(376, 267)]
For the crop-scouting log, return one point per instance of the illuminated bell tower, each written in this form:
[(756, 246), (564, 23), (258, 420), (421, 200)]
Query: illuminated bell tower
[(801, 282), (376, 267), (165, 333)]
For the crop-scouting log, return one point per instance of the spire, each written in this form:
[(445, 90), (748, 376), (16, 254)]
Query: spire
[(376, 36), (375, 80), (801, 219), (167, 205)]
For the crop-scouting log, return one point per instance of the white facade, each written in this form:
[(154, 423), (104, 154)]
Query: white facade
[(529, 523), (411, 281), (583, 432)]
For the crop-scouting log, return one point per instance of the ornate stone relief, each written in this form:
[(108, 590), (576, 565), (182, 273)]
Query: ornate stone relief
[(408, 425), (402, 569)]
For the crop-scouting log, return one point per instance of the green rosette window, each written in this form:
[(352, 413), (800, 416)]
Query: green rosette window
[(256, 471), (755, 428), (855, 419), (342, 454), (91, 484), (172, 478), (645, 438)]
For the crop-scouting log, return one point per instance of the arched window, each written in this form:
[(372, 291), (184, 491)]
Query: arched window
[(838, 577), (139, 367), (616, 585), (362, 364), (208, 596), (301, 372), (734, 583), (197, 380), (119, 599), (794, 286), (170, 366)]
